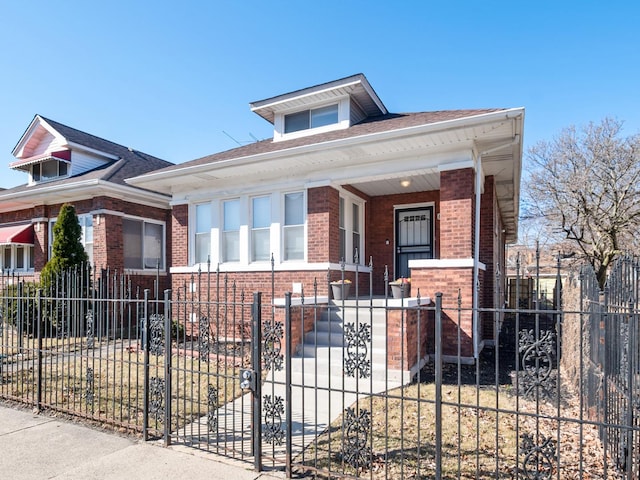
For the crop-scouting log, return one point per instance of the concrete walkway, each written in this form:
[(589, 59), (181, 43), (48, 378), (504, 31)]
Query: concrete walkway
[(43, 447)]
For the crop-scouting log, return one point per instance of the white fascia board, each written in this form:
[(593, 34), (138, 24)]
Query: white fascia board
[(37, 120), (333, 144), (90, 189), (287, 97)]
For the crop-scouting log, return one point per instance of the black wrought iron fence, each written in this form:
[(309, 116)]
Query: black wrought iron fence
[(349, 387)]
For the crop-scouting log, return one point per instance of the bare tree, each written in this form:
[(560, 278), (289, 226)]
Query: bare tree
[(585, 184)]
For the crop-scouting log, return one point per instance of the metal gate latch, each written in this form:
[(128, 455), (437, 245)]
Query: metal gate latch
[(247, 380)]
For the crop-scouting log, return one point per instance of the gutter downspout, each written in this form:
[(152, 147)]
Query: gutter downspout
[(476, 242)]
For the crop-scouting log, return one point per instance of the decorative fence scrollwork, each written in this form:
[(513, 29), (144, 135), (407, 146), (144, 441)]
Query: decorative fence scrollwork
[(273, 411), (156, 398), (357, 341), (272, 353), (357, 427), (539, 458), (156, 334), (538, 356)]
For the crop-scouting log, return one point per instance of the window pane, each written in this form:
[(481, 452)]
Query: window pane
[(88, 233), (356, 218), (231, 215), (324, 116), (88, 247), (296, 122), (36, 172), (260, 245), (63, 168), (294, 243), (49, 169), (203, 218), (153, 245), (20, 257), (132, 239), (261, 212), (341, 213), (7, 259), (203, 247), (356, 247), (231, 246), (293, 209), (31, 254)]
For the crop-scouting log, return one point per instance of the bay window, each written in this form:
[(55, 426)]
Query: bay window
[(17, 257)]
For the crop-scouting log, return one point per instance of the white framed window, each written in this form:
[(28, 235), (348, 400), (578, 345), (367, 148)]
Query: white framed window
[(143, 243), (351, 220), (17, 257), (49, 170), (202, 242), (293, 228), (313, 118), (231, 230), (356, 251), (86, 225), (261, 229)]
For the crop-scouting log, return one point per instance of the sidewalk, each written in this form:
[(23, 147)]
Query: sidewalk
[(42, 447)]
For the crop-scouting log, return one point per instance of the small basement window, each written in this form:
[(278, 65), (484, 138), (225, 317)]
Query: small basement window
[(314, 118)]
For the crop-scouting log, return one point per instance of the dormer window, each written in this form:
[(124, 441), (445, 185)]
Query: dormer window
[(48, 170), (313, 118)]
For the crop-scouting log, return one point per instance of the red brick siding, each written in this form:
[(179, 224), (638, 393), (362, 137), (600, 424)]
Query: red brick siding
[(180, 235), (456, 213), (322, 225), (403, 329), (380, 227), (450, 281)]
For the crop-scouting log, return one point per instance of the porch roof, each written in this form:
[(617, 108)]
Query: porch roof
[(373, 156)]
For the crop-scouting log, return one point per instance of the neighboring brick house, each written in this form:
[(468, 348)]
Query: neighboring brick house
[(124, 228), (343, 175)]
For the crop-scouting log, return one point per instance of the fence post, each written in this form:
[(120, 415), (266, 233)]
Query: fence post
[(288, 343), (20, 318), (38, 320), (256, 339), (438, 360), (167, 367), (145, 331)]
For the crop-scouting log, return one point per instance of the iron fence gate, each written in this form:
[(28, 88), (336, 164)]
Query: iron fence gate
[(355, 387)]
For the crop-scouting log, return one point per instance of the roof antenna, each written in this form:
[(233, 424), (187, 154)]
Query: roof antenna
[(231, 138)]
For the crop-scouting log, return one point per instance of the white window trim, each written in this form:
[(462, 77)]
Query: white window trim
[(276, 232), (305, 250), (26, 257), (343, 120), (33, 181), (348, 227)]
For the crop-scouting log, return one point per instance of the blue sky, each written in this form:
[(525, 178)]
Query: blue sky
[(170, 78)]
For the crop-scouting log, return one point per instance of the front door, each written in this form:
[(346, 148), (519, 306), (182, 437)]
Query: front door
[(414, 237)]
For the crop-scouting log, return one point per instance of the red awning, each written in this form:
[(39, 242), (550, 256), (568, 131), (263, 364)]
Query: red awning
[(62, 155), (16, 234)]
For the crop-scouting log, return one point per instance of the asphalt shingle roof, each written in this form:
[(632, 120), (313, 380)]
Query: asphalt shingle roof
[(131, 162), (378, 124)]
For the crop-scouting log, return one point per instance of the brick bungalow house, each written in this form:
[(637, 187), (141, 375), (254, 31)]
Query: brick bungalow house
[(431, 195), (124, 227)]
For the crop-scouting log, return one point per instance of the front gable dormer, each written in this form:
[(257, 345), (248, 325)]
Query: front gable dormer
[(46, 154), (330, 106)]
